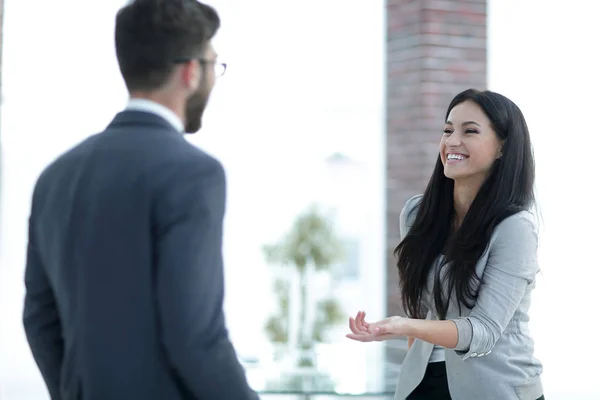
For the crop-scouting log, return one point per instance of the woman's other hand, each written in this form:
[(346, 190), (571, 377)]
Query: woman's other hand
[(389, 328)]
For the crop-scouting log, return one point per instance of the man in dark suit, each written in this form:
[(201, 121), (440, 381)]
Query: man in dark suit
[(124, 272)]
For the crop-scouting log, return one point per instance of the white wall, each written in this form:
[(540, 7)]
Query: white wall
[(60, 83), (544, 56)]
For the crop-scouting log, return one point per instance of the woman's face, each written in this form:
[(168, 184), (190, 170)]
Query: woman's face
[(469, 145)]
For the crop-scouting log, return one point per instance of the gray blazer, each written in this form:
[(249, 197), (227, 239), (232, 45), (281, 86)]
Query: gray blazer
[(494, 356)]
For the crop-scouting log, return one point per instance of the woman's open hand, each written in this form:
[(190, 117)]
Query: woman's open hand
[(389, 328)]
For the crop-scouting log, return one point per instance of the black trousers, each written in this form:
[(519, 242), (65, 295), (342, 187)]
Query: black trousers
[(434, 385)]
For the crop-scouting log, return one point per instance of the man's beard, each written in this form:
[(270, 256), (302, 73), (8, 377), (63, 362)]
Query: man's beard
[(194, 109)]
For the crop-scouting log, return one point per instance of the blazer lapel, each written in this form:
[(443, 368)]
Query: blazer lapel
[(414, 366)]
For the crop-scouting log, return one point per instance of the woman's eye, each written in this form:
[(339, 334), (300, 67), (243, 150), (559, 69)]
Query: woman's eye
[(447, 132), (471, 131)]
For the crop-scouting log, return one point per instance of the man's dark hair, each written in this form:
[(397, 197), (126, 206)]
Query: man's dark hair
[(151, 35)]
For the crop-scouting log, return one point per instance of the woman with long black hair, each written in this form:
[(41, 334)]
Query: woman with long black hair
[(468, 262)]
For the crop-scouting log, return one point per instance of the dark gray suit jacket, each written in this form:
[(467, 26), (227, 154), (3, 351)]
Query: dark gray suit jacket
[(124, 272)]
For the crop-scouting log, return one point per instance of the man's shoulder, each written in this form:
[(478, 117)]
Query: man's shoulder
[(157, 145), (67, 159), (186, 166), (192, 158), (208, 161)]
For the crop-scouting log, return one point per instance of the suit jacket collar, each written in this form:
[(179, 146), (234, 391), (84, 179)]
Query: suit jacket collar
[(141, 118), (139, 104)]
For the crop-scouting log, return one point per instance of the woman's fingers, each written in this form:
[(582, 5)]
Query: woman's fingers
[(353, 327), (358, 322), (357, 319), (363, 325), (363, 331), (358, 325)]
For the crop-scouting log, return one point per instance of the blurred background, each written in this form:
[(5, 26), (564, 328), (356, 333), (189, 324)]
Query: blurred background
[(327, 121)]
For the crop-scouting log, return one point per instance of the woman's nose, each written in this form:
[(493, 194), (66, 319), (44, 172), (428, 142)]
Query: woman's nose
[(453, 140)]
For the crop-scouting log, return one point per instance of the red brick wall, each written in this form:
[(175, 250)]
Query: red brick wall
[(435, 49)]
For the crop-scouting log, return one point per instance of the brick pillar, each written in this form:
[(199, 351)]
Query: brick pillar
[(435, 49)]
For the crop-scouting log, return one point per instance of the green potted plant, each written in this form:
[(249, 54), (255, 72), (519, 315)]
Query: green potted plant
[(310, 245)]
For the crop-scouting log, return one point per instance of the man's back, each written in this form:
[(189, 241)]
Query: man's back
[(124, 270)]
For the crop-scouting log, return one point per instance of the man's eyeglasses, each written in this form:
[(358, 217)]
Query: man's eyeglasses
[(219, 67)]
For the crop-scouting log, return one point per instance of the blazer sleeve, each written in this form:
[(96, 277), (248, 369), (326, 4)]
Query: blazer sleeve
[(190, 287), (41, 318), (511, 267)]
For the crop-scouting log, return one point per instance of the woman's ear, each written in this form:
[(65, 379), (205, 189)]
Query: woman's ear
[(500, 149)]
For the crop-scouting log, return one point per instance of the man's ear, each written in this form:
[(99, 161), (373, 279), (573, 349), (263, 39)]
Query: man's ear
[(191, 75)]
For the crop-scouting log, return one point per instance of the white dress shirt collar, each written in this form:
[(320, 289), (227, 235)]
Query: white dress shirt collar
[(153, 107)]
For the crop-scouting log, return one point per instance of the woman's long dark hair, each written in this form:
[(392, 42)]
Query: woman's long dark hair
[(507, 190)]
